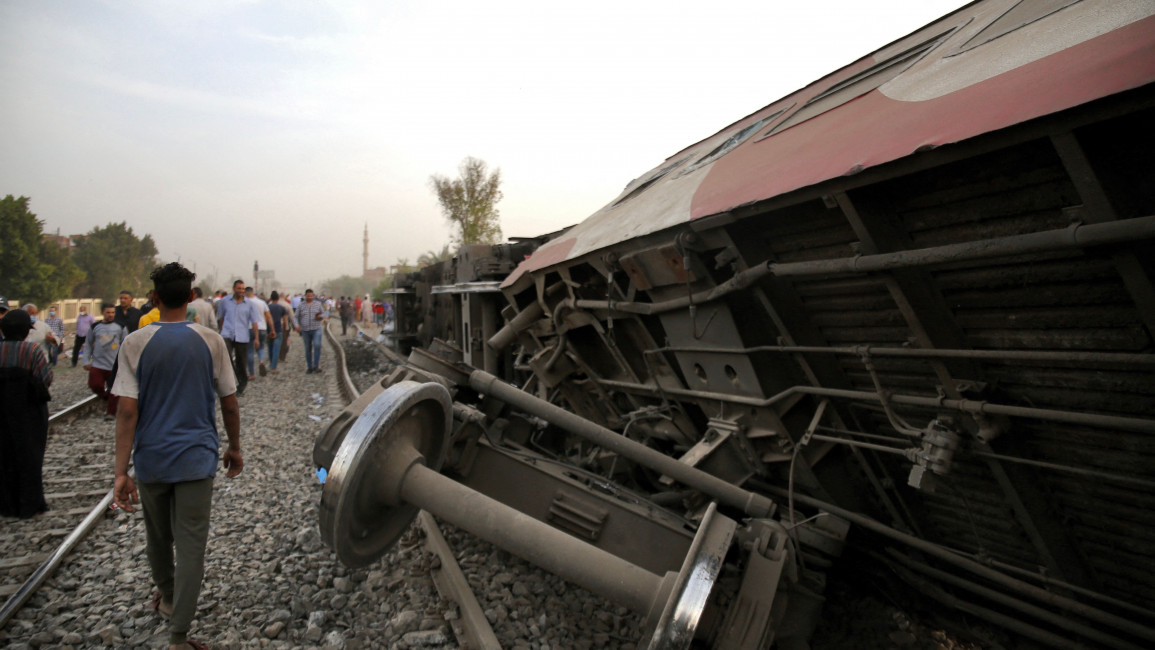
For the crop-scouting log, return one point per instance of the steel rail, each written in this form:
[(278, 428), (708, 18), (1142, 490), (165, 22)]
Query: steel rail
[(74, 411), (49, 566), (17, 600), (452, 585), (385, 349), (345, 385), (449, 579)]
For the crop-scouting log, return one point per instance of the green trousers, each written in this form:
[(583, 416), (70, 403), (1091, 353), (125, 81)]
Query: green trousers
[(176, 516)]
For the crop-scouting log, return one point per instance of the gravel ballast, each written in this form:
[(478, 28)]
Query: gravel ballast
[(270, 582)]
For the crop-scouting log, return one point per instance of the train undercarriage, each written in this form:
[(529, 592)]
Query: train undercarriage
[(943, 361)]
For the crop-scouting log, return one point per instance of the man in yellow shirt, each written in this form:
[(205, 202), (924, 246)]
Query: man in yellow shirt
[(152, 315)]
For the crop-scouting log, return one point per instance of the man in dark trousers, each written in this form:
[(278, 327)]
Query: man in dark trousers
[(238, 319), (172, 372)]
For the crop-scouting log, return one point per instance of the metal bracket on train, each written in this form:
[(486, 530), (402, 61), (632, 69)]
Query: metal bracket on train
[(722, 451), (778, 601), (933, 458)]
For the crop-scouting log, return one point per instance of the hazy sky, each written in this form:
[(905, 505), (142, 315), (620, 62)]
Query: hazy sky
[(274, 131)]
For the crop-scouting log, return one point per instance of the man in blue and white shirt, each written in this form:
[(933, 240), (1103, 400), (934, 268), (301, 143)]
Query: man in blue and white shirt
[(172, 373), (238, 319)]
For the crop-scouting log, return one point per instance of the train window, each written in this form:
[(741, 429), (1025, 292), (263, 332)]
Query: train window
[(661, 173), (1021, 14), (770, 132), (733, 141), (862, 83)]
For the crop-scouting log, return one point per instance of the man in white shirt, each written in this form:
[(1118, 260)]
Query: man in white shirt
[(367, 310), (265, 330), (40, 334), (206, 313)]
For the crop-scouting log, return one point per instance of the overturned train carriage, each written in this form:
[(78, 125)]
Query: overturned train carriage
[(906, 313)]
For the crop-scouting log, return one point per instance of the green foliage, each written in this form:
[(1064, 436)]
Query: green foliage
[(402, 266), (470, 202), (431, 257), (378, 292), (114, 259), (31, 268), (346, 285), (208, 283)]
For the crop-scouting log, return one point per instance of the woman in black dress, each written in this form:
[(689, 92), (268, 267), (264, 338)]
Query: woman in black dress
[(24, 379)]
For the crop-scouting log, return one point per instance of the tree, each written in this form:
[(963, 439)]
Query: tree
[(469, 202), (114, 259), (402, 266), (32, 269), (208, 283), (430, 257), (346, 285)]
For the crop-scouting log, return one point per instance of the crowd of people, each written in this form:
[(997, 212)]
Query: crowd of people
[(354, 308), (160, 370)]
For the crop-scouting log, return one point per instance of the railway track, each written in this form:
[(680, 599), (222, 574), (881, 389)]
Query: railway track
[(76, 486), (471, 628), (77, 482)]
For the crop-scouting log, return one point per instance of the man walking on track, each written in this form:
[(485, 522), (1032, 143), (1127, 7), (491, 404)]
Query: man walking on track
[(239, 318), (311, 317), (100, 354), (171, 372)]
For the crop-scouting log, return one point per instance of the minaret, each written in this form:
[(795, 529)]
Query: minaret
[(365, 253)]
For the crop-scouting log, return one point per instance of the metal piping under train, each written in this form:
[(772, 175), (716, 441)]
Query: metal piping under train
[(906, 312)]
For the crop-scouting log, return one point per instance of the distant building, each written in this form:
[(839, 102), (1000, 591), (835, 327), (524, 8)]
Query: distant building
[(375, 275), (62, 241)]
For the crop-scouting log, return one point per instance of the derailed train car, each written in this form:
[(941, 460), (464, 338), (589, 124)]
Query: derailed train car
[(909, 308)]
